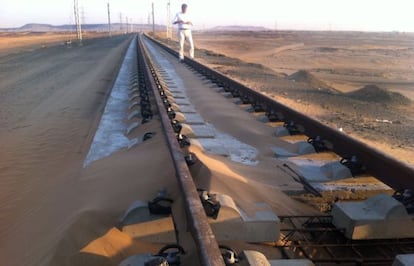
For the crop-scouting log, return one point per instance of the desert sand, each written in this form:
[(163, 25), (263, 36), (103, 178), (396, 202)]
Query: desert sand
[(54, 211), (360, 82), (20, 41), (51, 99)]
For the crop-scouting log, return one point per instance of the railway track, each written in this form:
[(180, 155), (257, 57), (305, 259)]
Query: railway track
[(200, 233)]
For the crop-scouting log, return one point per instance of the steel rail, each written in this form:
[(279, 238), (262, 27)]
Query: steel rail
[(206, 243), (389, 170)]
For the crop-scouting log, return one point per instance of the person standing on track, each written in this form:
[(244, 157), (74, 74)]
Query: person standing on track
[(184, 31)]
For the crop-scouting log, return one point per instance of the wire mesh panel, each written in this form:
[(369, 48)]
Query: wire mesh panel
[(316, 238)]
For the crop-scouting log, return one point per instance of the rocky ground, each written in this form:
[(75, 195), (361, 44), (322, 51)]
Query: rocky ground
[(368, 92)]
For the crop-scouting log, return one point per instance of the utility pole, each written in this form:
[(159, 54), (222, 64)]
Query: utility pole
[(127, 26), (120, 22), (169, 26), (77, 21), (109, 22), (153, 20)]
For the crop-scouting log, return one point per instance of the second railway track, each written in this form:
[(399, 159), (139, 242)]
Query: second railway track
[(212, 121)]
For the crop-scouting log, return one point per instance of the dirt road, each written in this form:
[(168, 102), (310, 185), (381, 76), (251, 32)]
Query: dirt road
[(50, 102)]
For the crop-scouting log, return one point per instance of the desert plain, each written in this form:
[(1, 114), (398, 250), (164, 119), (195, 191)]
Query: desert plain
[(55, 211), (358, 81)]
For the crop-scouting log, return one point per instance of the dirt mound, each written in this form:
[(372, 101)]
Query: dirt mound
[(373, 93), (306, 77)]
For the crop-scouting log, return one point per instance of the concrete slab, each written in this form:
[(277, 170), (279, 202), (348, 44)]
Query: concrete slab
[(404, 260), (228, 146), (176, 89), (359, 188), (189, 118), (233, 223), (255, 258), (275, 124), (132, 127), (134, 97), (198, 131), (188, 109), (295, 149), (314, 170), (133, 105), (178, 95), (135, 113), (139, 223), (252, 257), (183, 101), (281, 131), (263, 118), (171, 99), (226, 94), (180, 117), (292, 262), (134, 142), (210, 147), (294, 138), (176, 107), (379, 217), (168, 93), (136, 260), (134, 90)]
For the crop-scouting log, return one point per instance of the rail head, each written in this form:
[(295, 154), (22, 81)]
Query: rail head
[(207, 246)]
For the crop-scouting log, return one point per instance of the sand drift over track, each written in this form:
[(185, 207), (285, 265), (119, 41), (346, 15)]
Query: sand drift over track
[(176, 195), (50, 100), (110, 136), (205, 135)]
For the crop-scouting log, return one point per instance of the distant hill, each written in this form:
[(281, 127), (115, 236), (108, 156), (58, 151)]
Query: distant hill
[(238, 28), (36, 27)]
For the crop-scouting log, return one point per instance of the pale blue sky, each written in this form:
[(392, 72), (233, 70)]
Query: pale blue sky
[(379, 15)]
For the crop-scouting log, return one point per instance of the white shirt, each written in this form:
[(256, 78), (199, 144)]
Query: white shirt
[(184, 17)]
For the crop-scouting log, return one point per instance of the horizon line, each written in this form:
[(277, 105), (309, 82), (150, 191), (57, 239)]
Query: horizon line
[(264, 28)]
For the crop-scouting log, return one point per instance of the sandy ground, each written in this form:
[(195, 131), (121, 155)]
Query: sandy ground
[(324, 74), (55, 212), (50, 100), (18, 42)]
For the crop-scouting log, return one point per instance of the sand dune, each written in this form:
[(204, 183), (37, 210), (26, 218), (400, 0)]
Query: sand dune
[(50, 101)]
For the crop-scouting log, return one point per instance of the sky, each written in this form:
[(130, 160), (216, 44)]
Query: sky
[(365, 15)]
